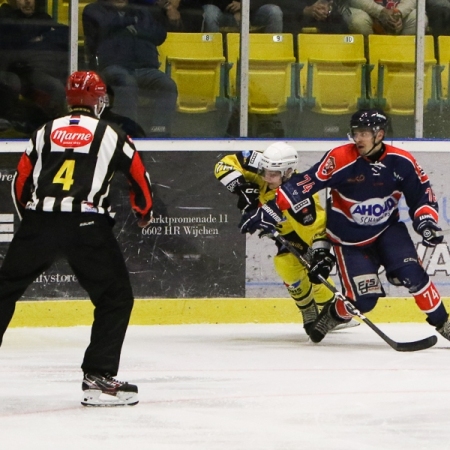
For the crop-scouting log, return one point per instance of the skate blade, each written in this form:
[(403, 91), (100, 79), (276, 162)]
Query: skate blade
[(94, 397), (342, 326)]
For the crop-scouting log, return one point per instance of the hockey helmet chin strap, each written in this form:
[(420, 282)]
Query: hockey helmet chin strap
[(375, 144)]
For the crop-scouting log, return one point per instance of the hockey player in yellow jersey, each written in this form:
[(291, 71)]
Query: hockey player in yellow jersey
[(254, 178)]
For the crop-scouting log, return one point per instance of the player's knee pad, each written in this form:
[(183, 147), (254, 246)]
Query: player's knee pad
[(366, 303), (411, 276), (364, 290)]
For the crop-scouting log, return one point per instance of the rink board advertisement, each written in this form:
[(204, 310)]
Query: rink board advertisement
[(194, 248)]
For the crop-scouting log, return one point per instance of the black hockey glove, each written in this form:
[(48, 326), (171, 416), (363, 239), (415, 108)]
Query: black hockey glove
[(431, 236), (322, 263), (248, 196), (428, 229), (265, 218)]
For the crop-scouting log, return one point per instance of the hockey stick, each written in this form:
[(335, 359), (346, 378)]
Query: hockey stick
[(412, 346)]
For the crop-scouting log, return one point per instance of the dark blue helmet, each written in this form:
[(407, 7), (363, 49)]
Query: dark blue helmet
[(375, 119)]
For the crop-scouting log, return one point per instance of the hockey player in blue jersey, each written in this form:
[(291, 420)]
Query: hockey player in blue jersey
[(366, 179)]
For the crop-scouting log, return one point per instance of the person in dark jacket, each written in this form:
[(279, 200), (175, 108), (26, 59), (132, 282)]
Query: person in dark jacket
[(176, 15), (34, 48), (121, 41), (438, 12)]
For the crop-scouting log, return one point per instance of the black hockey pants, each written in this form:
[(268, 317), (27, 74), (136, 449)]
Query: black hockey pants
[(86, 241)]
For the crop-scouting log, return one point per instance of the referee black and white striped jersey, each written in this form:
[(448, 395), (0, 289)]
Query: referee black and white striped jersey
[(69, 164)]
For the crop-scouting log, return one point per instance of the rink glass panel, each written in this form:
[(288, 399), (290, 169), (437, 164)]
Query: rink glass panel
[(317, 100)]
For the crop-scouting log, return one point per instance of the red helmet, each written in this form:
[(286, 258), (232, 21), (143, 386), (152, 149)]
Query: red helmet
[(86, 88)]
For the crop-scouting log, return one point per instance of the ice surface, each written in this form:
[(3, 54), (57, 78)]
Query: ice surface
[(229, 387)]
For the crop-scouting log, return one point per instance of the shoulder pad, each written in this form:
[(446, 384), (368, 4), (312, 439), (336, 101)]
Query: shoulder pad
[(335, 160)]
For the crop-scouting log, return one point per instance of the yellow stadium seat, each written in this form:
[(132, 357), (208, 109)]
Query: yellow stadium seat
[(271, 68), (444, 62), (393, 75), (332, 74), (196, 63)]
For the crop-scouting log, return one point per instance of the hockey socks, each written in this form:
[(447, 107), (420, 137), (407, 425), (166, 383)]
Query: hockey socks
[(429, 301)]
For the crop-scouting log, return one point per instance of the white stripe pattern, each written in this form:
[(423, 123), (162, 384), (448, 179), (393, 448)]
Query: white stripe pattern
[(105, 154)]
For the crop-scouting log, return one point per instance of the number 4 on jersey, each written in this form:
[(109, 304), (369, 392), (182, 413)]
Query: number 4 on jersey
[(65, 174)]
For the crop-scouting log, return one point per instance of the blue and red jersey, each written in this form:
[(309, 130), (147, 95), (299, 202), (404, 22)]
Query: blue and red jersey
[(364, 195)]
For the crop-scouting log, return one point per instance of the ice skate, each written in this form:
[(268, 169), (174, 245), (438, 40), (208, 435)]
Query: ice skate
[(104, 390), (327, 321), (342, 326), (444, 330), (309, 315)]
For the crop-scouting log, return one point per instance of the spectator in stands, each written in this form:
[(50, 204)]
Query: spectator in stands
[(176, 15), (121, 42), (34, 48), (9, 82), (324, 16), (382, 17), (438, 12), (225, 15)]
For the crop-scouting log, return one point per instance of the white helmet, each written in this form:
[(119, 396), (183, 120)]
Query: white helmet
[(279, 157)]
